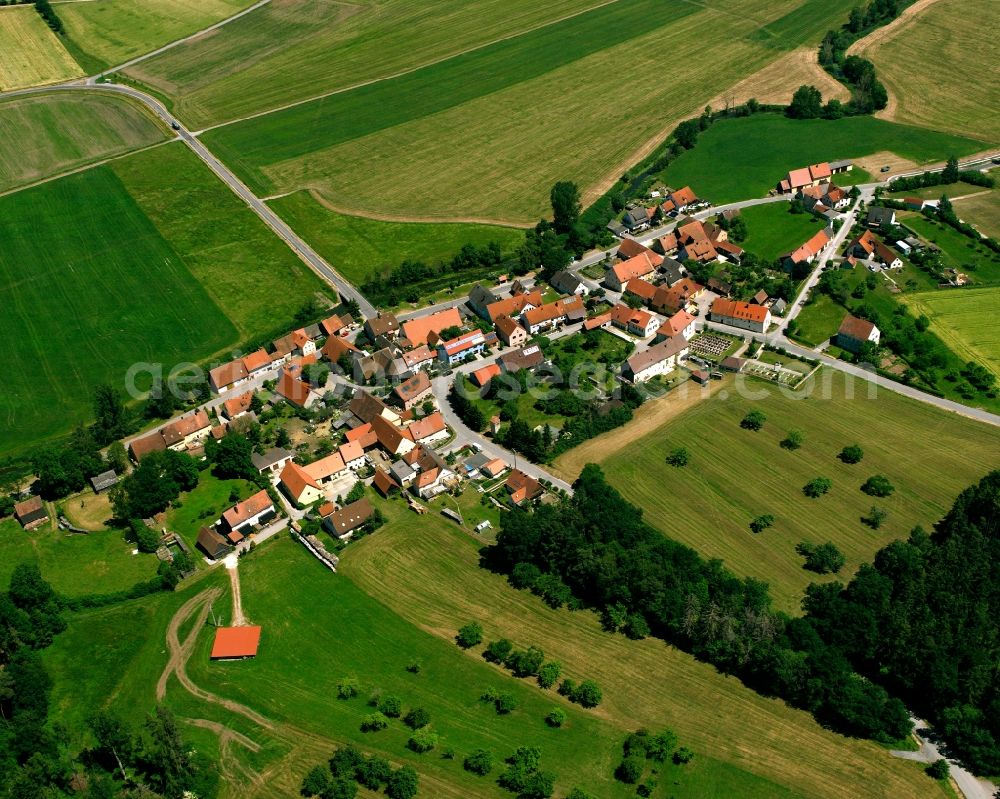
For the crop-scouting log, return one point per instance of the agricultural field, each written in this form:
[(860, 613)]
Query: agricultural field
[(360, 247), (43, 135), (99, 563), (30, 53), (772, 230), (908, 56), (965, 320), (141, 276), (958, 251), (104, 33), (982, 209), (709, 504), (425, 130), (740, 158), (752, 746)]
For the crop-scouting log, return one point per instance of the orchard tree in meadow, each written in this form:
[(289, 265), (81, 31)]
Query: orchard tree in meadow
[(876, 516), (851, 454), (754, 420), (479, 762), (821, 558), (556, 718), (793, 440), (878, 485), (679, 457), (761, 523), (402, 784), (416, 718), (470, 635), (817, 487)]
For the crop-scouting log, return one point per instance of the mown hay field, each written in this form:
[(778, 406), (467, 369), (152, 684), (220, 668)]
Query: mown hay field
[(43, 135), (361, 247), (427, 571), (30, 53), (940, 67), (148, 258), (542, 105), (965, 320), (736, 475), (109, 32), (982, 209)]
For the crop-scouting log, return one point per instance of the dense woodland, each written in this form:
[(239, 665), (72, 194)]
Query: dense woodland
[(935, 610)]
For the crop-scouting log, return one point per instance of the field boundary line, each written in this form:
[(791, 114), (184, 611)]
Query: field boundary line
[(403, 72)]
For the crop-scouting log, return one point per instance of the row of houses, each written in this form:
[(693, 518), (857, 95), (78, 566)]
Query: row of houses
[(812, 175), (639, 217)]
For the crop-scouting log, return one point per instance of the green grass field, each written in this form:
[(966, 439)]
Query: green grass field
[(907, 59), (109, 32), (736, 475), (98, 563), (957, 251), (965, 320), (30, 53), (360, 248), (773, 230), (133, 261), (741, 158), (426, 130), (45, 134), (205, 504), (819, 320)]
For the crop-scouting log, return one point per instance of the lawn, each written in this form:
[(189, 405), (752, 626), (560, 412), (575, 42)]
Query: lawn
[(43, 135), (710, 503), (412, 145), (93, 287), (751, 746), (965, 319), (772, 230), (819, 320), (30, 53), (98, 563), (957, 250), (110, 32), (360, 248), (202, 506), (960, 34), (740, 158)]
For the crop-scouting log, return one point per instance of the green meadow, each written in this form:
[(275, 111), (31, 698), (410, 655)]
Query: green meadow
[(772, 230)]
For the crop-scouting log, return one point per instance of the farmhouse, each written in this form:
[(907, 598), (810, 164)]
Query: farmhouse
[(806, 253), (392, 439), (879, 217), (31, 513), (245, 515), (336, 325), (297, 343), (640, 266), (353, 455), (299, 485), (366, 407), (514, 305), (741, 314), (295, 390), (413, 391), (637, 322), (232, 374), (637, 218), (272, 461), (428, 430), (630, 248), (527, 358), (178, 435), (343, 522), (811, 175), (363, 435), (426, 329), (213, 543), (335, 348), (665, 245), (235, 643), (521, 487), (657, 360), (870, 247), (510, 332), (854, 333), (237, 406), (461, 347), (402, 472), (567, 283), (641, 289), (672, 271), (678, 297), (383, 324), (682, 198)]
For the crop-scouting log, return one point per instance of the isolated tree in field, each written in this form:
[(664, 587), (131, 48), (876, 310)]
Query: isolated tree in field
[(374, 722), (851, 454), (565, 198), (761, 523), (479, 762), (821, 558), (390, 706), (754, 420), (416, 718), (505, 703), (876, 516), (682, 756), (793, 440), (470, 635), (817, 487), (679, 456), (422, 741), (347, 688), (588, 693), (807, 103), (402, 784), (877, 485), (950, 173), (556, 718)]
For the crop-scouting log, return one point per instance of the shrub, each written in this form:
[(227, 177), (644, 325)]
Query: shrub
[(505, 703), (556, 718), (525, 663), (761, 523), (754, 420), (588, 693), (939, 769), (417, 717), (413, 667), (878, 485), (497, 651), (821, 558), (390, 706), (679, 456), (683, 755), (374, 772), (851, 454), (549, 673), (578, 793), (479, 762), (347, 688), (630, 769), (793, 440), (489, 695), (817, 487), (422, 741), (567, 688), (876, 516), (374, 722), (470, 635)]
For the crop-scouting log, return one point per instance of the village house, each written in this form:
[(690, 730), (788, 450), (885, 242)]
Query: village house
[(682, 199), (681, 324), (402, 472), (394, 440), (352, 453), (419, 358), (244, 516), (665, 245), (870, 247), (384, 484), (236, 372), (510, 332), (428, 430), (364, 435), (825, 197), (806, 253), (601, 321), (731, 252), (741, 314), (299, 485), (678, 297), (326, 469), (336, 325), (480, 298), (413, 391), (879, 217), (672, 271), (854, 333), (635, 321), (178, 435), (811, 175), (514, 305), (334, 348), (344, 521), (215, 545), (272, 461), (383, 324), (458, 349), (640, 288), (567, 283), (426, 329), (553, 314), (434, 481), (637, 218), (721, 287), (237, 406), (630, 248), (31, 513), (522, 488), (365, 407), (481, 377), (293, 388), (294, 344), (657, 360), (641, 265), (527, 358)]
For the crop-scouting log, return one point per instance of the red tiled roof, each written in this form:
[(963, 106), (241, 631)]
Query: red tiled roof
[(351, 451), (630, 248), (228, 373), (296, 479), (417, 356), (683, 196), (483, 376), (640, 288), (247, 509), (512, 306), (384, 482), (676, 324), (237, 405), (417, 330), (235, 642), (293, 389), (858, 329), (256, 360), (734, 309), (325, 467), (413, 387), (430, 425), (639, 266)]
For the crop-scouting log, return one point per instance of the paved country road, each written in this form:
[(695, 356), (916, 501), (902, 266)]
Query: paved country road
[(971, 786)]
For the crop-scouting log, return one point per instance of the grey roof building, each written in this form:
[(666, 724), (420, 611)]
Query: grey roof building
[(104, 480)]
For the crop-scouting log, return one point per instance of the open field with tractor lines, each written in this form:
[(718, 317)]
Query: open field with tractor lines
[(939, 65), (42, 135), (736, 475), (965, 320), (982, 209), (30, 53)]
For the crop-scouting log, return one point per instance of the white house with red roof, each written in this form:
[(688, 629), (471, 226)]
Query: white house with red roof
[(744, 315)]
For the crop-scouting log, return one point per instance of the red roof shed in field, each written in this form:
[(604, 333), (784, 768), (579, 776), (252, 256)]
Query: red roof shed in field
[(232, 643)]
